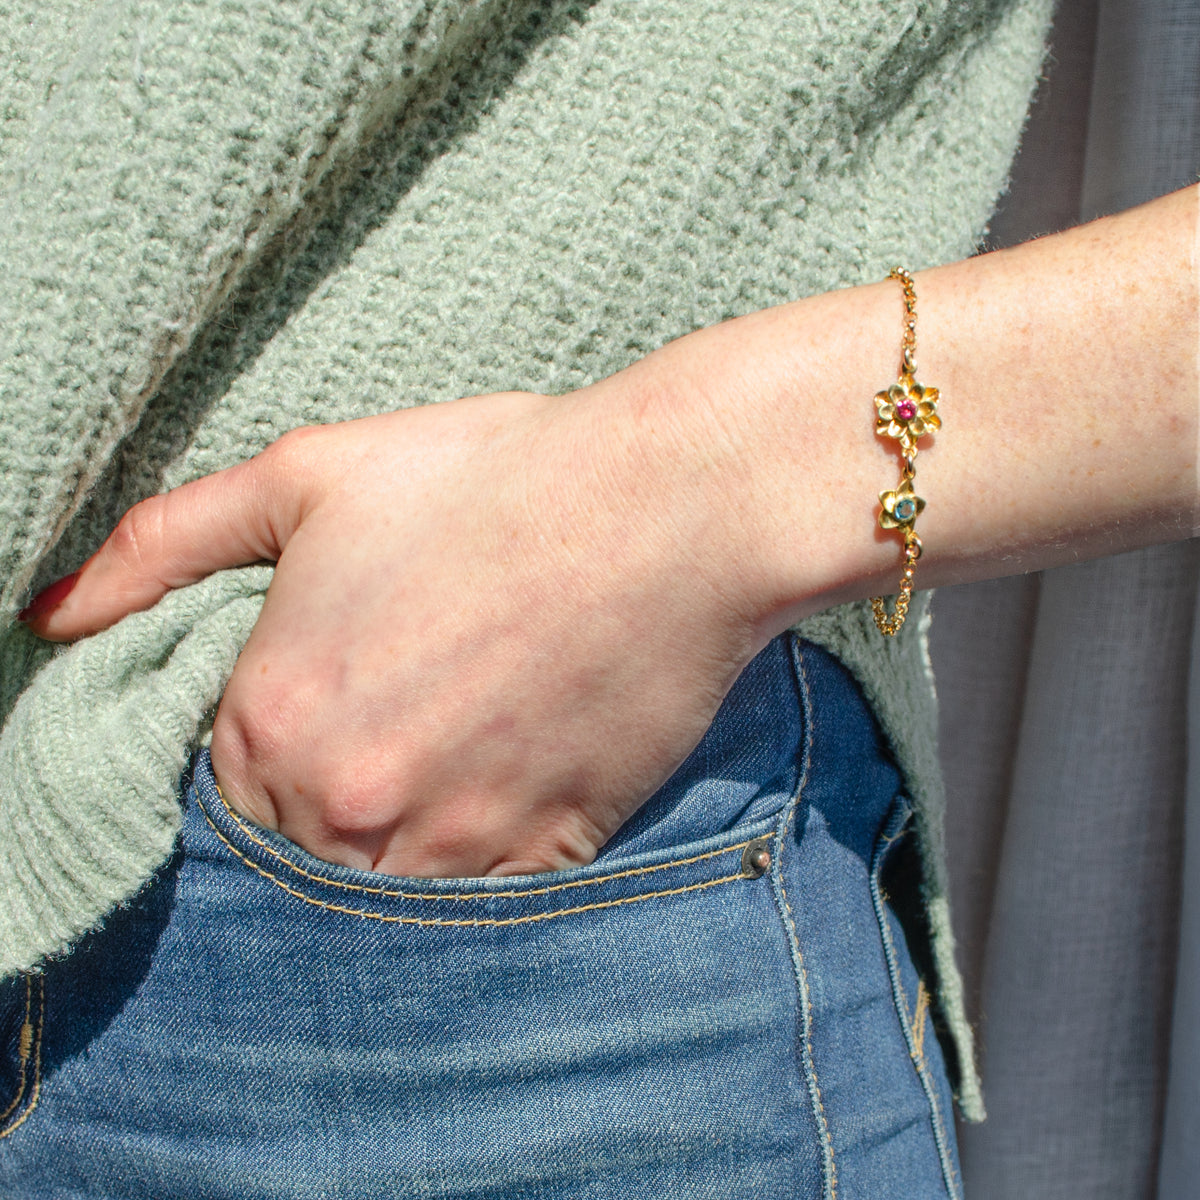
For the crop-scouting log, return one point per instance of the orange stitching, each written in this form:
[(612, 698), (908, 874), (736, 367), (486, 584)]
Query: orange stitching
[(481, 921), (919, 1015), (804, 996), (920, 1022), (37, 1062), (916, 1026), (24, 1054), (456, 896)]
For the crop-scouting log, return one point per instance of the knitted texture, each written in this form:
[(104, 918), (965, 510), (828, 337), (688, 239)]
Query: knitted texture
[(223, 220)]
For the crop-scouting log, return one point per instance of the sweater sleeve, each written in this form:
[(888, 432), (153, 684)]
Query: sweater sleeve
[(198, 132)]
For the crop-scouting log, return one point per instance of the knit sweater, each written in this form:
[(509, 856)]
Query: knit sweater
[(223, 219)]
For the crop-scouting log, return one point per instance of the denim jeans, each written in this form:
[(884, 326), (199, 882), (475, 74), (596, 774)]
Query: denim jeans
[(722, 1005)]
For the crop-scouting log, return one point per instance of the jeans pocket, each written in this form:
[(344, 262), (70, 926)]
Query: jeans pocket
[(689, 836), (296, 1028), (215, 833), (273, 1025), (262, 1023)]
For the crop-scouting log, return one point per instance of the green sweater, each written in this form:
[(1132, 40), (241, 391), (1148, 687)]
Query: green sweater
[(223, 219)]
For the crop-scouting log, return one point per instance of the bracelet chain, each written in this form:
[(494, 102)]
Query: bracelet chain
[(907, 411)]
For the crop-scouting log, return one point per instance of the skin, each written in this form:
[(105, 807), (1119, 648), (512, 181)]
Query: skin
[(498, 625)]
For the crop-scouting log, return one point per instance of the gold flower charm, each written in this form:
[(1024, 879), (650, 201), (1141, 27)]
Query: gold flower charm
[(901, 507), (907, 411)]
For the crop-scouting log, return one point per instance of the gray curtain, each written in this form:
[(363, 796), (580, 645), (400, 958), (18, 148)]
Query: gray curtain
[(1071, 730)]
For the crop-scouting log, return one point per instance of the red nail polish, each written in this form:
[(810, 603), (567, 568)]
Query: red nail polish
[(47, 600)]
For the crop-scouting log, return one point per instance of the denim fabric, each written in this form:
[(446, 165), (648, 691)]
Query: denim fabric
[(670, 1021)]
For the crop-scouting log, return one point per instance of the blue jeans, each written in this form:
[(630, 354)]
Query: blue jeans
[(722, 1005)]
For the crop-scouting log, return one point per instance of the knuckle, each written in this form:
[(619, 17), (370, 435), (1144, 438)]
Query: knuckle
[(284, 475), (353, 805), (456, 837), (565, 847), (557, 849), (228, 743), (258, 729), (139, 533), (474, 833), (293, 453), (234, 769)]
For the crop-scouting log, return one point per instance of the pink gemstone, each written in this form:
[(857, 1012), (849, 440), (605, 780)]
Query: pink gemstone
[(906, 410)]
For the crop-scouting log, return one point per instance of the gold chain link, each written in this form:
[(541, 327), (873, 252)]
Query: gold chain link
[(907, 419), (908, 355), (890, 626)]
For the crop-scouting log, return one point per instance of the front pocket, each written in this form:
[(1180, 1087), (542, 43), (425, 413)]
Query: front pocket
[(216, 831), (688, 837), (622, 1029)]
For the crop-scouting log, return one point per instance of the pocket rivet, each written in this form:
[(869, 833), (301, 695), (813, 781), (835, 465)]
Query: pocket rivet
[(756, 858)]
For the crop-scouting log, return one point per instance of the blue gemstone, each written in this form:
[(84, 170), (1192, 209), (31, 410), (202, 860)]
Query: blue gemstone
[(905, 509)]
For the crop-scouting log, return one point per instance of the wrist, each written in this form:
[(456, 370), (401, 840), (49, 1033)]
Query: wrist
[(763, 449), (1063, 439)]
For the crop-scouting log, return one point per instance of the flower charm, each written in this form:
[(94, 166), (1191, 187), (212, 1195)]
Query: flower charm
[(907, 411), (901, 507)]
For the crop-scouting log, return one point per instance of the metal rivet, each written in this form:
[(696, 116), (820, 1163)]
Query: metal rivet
[(756, 858)]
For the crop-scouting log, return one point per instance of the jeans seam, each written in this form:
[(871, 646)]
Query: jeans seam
[(916, 1047), (459, 897), (470, 922), (829, 1164), (32, 1051)]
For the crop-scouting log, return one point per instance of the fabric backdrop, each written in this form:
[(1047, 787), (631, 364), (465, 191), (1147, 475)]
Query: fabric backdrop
[(1071, 729)]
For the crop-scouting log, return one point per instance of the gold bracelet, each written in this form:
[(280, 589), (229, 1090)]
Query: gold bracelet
[(906, 411)]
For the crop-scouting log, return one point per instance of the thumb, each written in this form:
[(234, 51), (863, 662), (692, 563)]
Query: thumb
[(238, 516)]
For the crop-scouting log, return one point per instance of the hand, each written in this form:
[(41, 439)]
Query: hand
[(496, 626), (488, 640)]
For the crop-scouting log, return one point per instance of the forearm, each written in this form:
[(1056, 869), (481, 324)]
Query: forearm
[(1069, 394)]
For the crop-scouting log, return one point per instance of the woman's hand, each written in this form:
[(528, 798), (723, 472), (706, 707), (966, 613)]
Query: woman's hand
[(497, 625), (488, 639)]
